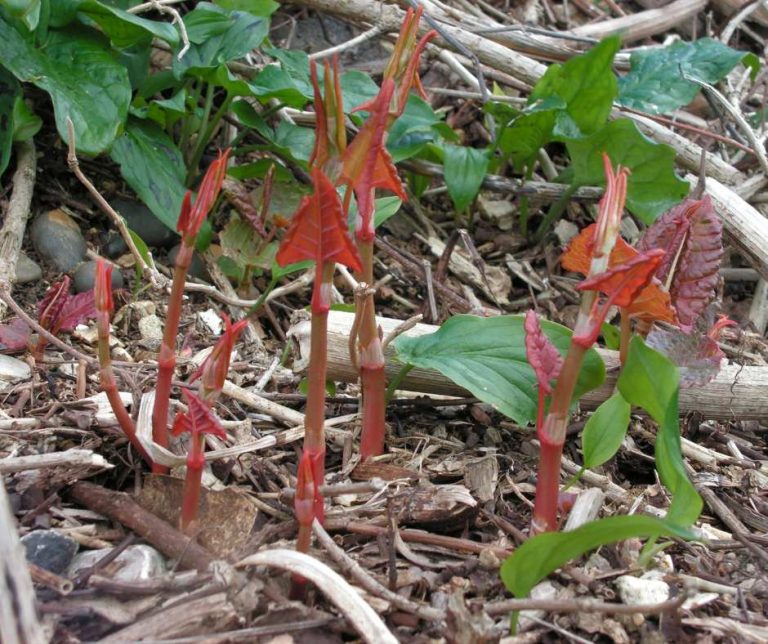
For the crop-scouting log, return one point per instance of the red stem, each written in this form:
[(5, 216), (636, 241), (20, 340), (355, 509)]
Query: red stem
[(551, 437), (192, 483), (372, 379), (109, 385), (166, 361)]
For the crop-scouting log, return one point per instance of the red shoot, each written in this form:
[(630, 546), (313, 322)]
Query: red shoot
[(198, 420), (102, 296), (213, 371), (543, 357), (190, 220), (330, 130), (192, 216)]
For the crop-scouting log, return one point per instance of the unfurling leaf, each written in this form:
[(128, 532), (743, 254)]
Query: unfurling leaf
[(213, 371), (542, 355), (696, 356), (192, 215), (652, 303), (50, 307), (318, 231), (692, 236), (77, 309), (306, 492), (623, 282), (198, 419)]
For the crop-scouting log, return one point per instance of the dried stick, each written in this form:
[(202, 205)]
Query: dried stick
[(69, 458), (155, 276), (506, 606), (18, 616), (15, 220), (362, 617), (120, 507), (350, 566)]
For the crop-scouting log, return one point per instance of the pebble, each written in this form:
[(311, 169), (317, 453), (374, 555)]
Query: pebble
[(85, 277), (13, 370), (135, 563), (196, 268), (58, 240), (635, 591), (143, 222), (27, 270), (151, 329), (50, 550)]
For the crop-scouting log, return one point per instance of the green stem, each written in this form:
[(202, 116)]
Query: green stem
[(626, 335), (523, 212), (205, 139), (554, 212), (395, 382), (188, 122), (202, 141)]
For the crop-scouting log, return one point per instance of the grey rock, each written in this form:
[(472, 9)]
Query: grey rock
[(58, 240), (27, 270), (144, 223), (135, 563), (151, 330), (49, 549), (85, 277), (196, 268)]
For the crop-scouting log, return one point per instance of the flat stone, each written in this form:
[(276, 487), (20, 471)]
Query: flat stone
[(135, 563), (58, 240), (27, 270), (151, 329), (85, 277), (49, 549), (636, 591)]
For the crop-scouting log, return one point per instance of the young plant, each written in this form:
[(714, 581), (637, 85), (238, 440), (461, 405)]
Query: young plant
[(58, 311), (188, 225), (198, 420), (102, 296), (318, 232), (366, 165)]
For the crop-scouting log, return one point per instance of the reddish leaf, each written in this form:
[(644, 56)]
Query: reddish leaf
[(14, 336), (213, 371), (78, 308), (622, 283), (366, 164), (692, 236), (723, 322), (542, 355), (304, 501), (610, 209), (192, 215), (198, 419), (697, 356), (50, 307), (330, 129), (318, 231)]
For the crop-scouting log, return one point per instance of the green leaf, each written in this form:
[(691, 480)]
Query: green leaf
[(652, 187), (545, 553), (416, 126), (143, 249), (273, 82), (487, 357), (25, 122), (605, 430), (126, 29), (522, 140), (10, 92), (656, 82), (153, 166), (264, 8), (586, 86), (219, 36), (464, 173), (651, 381), (293, 141), (356, 88), (384, 208), (25, 11), (279, 272), (84, 81), (611, 336)]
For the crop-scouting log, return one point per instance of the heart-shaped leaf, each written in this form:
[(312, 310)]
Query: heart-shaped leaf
[(605, 430)]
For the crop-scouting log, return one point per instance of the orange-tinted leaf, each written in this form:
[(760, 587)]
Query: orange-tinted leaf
[(692, 235), (198, 419), (623, 283), (318, 231), (652, 303), (366, 164), (542, 355)]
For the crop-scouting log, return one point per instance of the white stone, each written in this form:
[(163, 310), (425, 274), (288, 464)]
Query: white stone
[(635, 591), (13, 369), (212, 321), (151, 328), (135, 563)]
